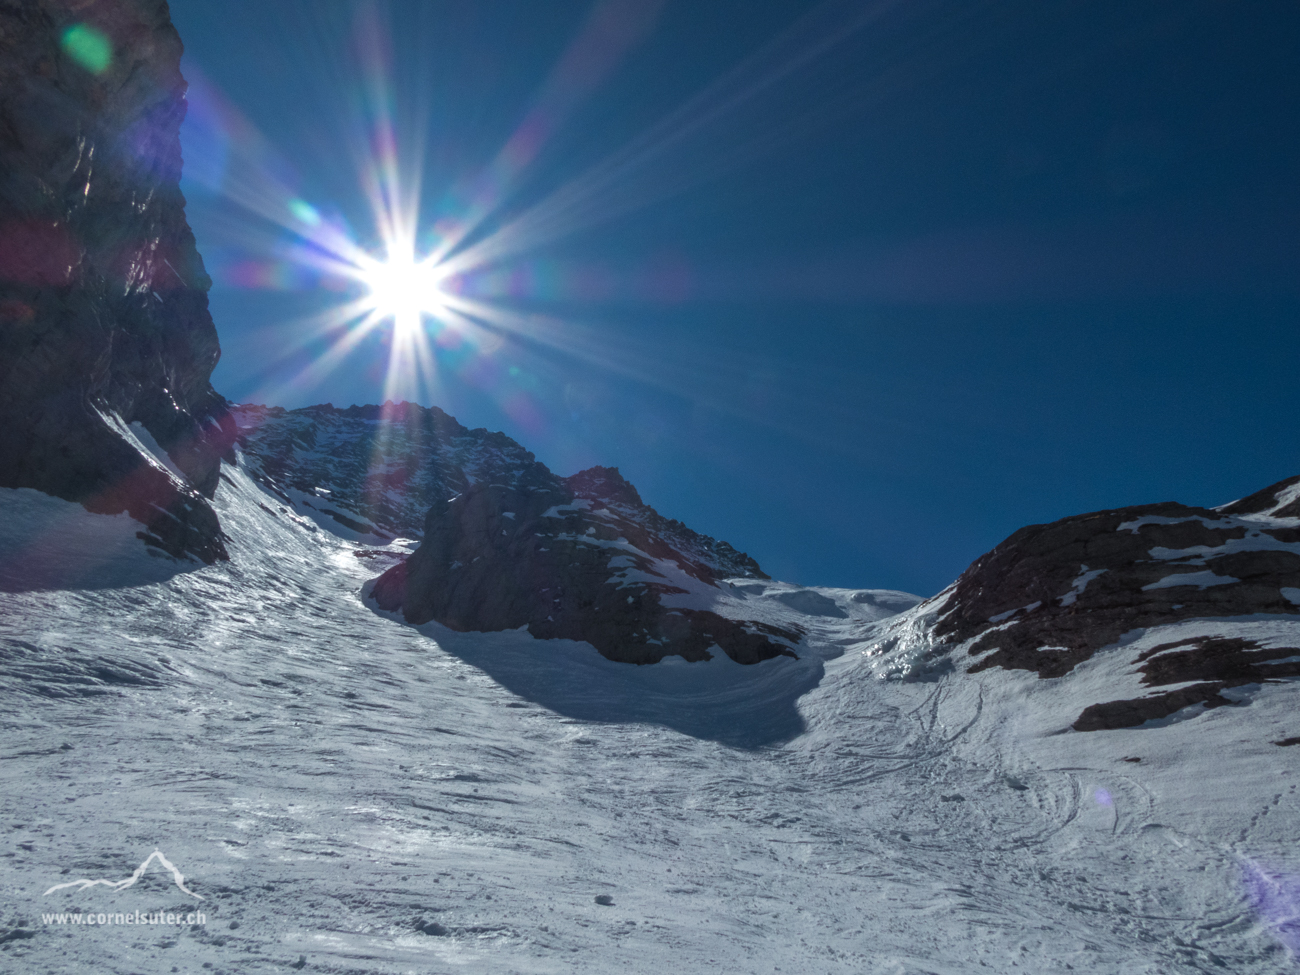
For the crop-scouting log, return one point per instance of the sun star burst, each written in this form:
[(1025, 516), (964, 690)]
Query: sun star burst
[(404, 289)]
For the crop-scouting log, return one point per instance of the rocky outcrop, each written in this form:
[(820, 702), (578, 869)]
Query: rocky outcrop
[(704, 558), (579, 558), (106, 344), (1051, 596), (1280, 500), (378, 470), (1215, 664), (374, 470)]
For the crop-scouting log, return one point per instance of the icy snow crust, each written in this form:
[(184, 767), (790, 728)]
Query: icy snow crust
[(366, 796)]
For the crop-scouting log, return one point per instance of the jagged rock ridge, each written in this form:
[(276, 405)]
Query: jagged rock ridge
[(377, 470), (700, 556), (106, 344), (579, 558)]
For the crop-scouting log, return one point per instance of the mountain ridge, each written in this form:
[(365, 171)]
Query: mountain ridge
[(386, 465)]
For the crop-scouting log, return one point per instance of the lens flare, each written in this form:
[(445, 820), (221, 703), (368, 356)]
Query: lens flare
[(1275, 896), (88, 47), (433, 287)]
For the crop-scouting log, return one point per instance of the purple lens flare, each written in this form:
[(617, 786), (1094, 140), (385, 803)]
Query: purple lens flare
[(1275, 897)]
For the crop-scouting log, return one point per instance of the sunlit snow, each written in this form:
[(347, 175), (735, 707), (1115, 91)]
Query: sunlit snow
[(367, 796)]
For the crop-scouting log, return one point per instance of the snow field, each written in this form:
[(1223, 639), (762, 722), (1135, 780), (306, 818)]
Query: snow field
[(372, 797)]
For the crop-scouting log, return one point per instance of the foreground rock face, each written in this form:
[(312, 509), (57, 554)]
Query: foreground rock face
[(1051, 596), (106, 344), (579, 558)]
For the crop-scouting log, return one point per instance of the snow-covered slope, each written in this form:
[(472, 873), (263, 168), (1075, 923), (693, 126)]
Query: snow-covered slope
[(350, 793)]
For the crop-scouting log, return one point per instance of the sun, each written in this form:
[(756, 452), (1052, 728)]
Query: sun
[(404, 289)]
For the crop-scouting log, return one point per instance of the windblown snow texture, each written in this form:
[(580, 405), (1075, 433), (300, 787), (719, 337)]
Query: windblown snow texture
[(106, 344), (348, 792)]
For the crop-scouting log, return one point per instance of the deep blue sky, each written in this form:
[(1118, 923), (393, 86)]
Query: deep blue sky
[(971, 266)]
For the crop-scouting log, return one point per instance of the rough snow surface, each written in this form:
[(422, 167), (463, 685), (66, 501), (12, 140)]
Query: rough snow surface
[(351, 794)]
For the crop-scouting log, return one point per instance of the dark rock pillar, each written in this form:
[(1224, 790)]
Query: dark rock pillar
[(104, 317)]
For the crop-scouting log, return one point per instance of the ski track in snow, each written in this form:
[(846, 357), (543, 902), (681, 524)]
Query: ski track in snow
[(328, 778)]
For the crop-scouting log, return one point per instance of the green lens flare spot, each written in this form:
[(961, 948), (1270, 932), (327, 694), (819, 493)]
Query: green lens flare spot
[(88, 47), (304, 212)]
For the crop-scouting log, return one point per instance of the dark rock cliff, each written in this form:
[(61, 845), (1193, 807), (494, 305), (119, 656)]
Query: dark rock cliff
[(106, 344), (375, 470), (580, 558), (1051, 596)]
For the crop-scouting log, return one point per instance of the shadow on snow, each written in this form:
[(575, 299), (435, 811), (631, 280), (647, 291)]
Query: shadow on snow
[(719, 700)]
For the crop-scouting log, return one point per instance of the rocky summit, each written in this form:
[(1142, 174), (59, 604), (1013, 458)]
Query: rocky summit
[(580, 558), (1050, 597), (106, 344), (370, 470), (503, 542)]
